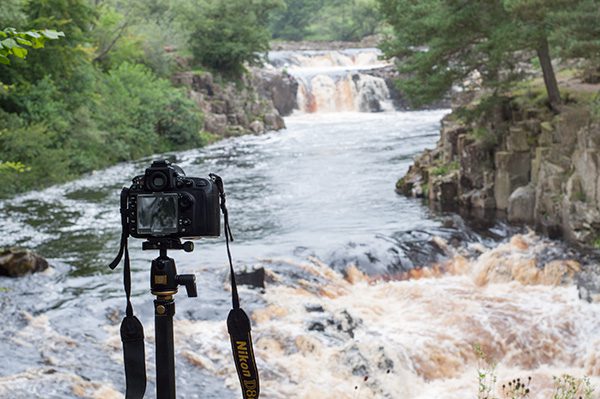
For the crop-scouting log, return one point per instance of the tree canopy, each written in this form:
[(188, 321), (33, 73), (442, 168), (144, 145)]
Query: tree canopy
[(226, 34), (444, 42)]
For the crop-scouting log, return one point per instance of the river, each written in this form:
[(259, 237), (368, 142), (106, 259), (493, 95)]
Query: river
[(344, 313)]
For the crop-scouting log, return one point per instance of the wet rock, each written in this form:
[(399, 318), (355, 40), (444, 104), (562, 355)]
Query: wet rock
[(316, 326), (346, 323), (282, 88), (588, 283), (215, 123), (257, 127), (273, 121), (16, 262), (253, 278), (521, 205), (314, 308)]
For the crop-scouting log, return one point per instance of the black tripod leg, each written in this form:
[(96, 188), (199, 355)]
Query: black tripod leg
[(165, 350)]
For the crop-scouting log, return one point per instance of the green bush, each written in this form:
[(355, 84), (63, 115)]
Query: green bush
[(229, 33), (56, 134)]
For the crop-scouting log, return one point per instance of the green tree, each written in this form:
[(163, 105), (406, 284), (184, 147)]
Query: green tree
[(576, 34), (228, 33), (533, 19), (347, 20), (291, 21), (442, 42)]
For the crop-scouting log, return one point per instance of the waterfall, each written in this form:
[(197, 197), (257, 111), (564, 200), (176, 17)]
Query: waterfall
[(336, 81)]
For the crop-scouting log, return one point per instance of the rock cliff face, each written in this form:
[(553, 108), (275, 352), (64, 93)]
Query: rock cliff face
[(254, 105), (542, 169)]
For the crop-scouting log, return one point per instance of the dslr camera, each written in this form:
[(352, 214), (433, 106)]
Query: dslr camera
[(165, 203)]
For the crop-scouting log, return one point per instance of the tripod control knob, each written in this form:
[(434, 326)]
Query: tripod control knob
[(189, 281), (188, 246)]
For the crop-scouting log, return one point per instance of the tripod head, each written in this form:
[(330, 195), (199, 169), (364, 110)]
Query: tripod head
[(164, 280)]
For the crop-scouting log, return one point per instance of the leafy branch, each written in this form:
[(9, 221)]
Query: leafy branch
[(17, 44)]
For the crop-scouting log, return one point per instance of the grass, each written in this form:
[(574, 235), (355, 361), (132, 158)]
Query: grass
[(442, 170), (566, 386)]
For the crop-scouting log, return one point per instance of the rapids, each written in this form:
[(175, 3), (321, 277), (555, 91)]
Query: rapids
[(368, 294)]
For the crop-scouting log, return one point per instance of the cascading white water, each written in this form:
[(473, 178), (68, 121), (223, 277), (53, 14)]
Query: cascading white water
[(336, 81)]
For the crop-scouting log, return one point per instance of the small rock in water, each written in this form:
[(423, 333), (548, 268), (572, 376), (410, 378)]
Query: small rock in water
[(254, 278), (17, 262)]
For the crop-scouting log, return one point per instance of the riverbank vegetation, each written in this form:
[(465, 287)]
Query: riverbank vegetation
[(102, 93)]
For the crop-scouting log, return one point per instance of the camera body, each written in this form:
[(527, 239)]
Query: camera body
[(165, 203)]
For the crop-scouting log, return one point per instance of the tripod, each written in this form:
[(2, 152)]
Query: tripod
[(164, 283)]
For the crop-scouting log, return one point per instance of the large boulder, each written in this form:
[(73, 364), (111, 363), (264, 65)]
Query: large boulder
[(273, 121), (15, 262), (279, 87), (521, 205)]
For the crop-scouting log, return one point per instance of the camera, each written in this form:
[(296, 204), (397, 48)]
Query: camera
[(165, 203)]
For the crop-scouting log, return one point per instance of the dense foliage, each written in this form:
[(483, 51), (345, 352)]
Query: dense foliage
[(228, 33), (445, 42), (101, 94), (345, 20)]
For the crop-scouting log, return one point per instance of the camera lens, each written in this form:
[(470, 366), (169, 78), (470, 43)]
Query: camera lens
[(157, 181)]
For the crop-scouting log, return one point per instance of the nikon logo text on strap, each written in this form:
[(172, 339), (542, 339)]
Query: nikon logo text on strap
[(162, 206), (238, 323)]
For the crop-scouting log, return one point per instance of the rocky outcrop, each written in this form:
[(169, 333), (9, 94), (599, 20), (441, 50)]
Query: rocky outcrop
[(254, 105), (16, 262), (278, 86), (541, 168)]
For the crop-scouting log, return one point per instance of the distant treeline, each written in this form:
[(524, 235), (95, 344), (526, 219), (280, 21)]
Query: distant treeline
[(346, 20)]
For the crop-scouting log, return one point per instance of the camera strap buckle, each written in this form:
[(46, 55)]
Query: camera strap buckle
[(132, 331), (238, 323)]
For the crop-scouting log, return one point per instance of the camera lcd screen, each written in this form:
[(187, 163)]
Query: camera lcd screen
[(157, 214)]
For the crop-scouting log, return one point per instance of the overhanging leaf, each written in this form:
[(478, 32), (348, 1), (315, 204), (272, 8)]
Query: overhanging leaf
[(52, 34), (24, 42), (34, 35), (4, 60), (19, 52), (9, 43)]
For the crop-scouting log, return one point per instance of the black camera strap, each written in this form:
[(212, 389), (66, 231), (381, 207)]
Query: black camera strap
[(238, 323), (132, 331)]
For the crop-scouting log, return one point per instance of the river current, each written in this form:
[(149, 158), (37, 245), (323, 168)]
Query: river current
[(345, 312)]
